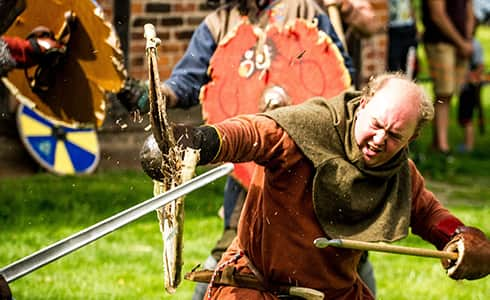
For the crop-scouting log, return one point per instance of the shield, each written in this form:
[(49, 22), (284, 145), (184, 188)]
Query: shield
[(12, 10), (92, 65), (56, 147), (298, 60)]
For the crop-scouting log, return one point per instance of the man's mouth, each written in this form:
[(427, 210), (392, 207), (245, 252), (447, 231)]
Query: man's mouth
[(372, 150)]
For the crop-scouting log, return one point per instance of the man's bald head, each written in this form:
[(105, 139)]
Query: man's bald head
[(410, 93)]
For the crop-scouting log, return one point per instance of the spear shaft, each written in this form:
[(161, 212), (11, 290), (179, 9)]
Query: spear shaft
[(382, 247)]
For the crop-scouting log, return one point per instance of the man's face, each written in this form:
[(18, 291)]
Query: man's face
[(386, 123)]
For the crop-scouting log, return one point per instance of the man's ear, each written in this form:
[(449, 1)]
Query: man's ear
[(414, 137)]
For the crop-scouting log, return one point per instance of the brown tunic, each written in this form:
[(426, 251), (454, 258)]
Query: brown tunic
[(278, 223)]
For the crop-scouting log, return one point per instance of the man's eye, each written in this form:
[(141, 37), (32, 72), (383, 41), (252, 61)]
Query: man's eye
[(395, 136), (375, 125)]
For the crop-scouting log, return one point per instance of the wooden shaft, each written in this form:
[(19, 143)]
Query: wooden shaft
[(336, 20), (65, 27), (229, 276), (381, 247), (306, 293)]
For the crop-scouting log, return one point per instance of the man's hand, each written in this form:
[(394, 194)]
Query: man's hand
[(34, 49), (466, 49), (134, 96), (43, 45), (151, 159), (204, 138), (5, 293), (473, 248)]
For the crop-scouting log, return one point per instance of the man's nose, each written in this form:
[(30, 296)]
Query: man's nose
[(380, 137)]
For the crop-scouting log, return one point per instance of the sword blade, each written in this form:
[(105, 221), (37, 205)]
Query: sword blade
[(63, 247)]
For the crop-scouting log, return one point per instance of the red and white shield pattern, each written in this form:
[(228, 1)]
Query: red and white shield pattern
[(297, 58)]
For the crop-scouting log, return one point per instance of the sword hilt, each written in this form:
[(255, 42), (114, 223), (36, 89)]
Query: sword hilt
[(5, 293)]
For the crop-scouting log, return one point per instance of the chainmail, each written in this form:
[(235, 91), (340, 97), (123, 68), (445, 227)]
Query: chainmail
[(7, 62)]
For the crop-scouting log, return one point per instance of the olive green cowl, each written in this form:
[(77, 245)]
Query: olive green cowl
[(350, 200)]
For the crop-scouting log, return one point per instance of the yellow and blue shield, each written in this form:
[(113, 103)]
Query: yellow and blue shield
[(56, 147)]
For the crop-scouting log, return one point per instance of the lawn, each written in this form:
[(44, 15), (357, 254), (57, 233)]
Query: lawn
[(127, 264)]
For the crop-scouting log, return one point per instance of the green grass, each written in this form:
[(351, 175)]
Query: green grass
[(407, 277), (127, 264), (464, 189)]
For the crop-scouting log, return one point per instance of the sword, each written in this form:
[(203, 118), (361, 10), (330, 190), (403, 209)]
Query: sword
[(63, 247)]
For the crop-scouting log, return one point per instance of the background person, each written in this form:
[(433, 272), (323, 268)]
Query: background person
[(470, 94), (402, 37), (447, 39), (17, 52), (190, 74), (470, 100)]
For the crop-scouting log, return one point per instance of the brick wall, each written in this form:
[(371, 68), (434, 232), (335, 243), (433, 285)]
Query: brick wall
[(375, 49), (175, 21)]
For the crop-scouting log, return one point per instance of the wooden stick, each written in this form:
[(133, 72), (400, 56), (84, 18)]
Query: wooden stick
[(382, 247), (176, 169), (336, 20)]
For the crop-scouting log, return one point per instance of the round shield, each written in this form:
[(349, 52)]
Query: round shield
[(59, 149), (91, 67), (298, 60)]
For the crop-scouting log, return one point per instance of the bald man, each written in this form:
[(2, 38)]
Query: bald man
[(337, 168)]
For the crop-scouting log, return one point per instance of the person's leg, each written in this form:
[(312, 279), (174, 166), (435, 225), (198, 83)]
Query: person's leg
[(366, 272), (201, 287), (441, 123), (469, 137), (442, 61), (460, 75), (395, 50), (234, 197), (479, 109), (401, 39), (469, 134), (467, 103)]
